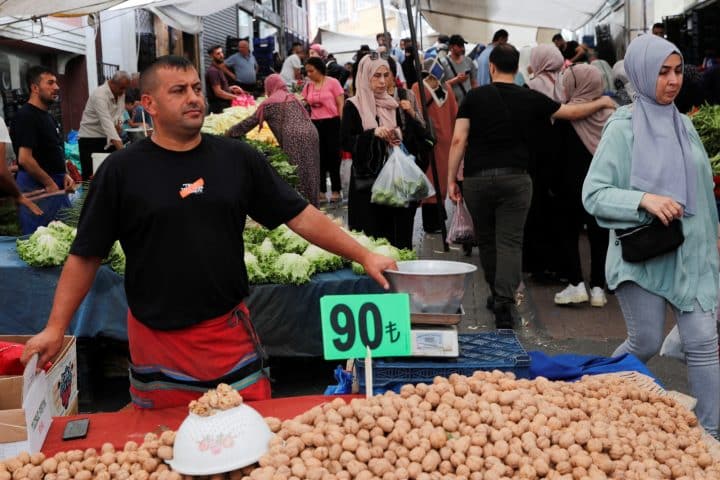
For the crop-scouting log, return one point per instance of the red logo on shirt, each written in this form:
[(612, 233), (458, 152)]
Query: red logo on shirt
[(195, 188)]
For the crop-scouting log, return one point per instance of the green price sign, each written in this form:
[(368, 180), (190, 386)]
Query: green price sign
[(351, 323)]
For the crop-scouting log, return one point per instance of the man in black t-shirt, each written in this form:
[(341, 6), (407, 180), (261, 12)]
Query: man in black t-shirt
[(495, 125), (40, 150), (177, 202)]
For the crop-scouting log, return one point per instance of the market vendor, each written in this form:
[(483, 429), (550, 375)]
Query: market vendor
[(7, 182), (101, 122), (39, 148), (178, 203)]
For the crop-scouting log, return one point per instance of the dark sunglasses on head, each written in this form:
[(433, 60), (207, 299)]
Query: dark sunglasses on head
[(376, 55)]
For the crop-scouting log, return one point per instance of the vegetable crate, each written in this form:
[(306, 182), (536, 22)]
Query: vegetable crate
[(498, 350)]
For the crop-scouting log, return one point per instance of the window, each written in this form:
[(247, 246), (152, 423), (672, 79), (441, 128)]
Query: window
[(342, 9), (321, 16)]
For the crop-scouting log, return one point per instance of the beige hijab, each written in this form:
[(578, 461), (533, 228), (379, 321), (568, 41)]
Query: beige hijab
[(546, 62), (584, 83), (370, 105)]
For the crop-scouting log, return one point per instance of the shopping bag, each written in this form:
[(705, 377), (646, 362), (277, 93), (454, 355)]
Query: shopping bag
[(461, 228), (672, 346), (345, 173), (400, 181)]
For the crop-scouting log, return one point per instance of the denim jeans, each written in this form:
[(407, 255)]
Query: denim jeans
[(499, 207), (644, 314)]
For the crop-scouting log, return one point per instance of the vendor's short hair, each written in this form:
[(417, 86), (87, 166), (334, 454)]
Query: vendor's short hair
[(557, 36), (500, 34), (33, 74), (148, 76), (317, 64), (505, 57), (213, 48)]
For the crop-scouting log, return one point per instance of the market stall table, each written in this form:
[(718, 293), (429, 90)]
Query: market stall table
[(287, 317), (132, 424)]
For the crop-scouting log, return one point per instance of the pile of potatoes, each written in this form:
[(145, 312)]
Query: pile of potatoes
[(224, 397), (133, 462), (490, 426)]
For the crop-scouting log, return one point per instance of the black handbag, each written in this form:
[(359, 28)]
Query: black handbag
[(650, 240)]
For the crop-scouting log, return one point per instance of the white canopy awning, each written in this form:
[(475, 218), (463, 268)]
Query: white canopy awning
[(38, 8), (476, 20)]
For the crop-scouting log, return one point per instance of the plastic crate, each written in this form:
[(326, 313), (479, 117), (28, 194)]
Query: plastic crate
[(498, 350)]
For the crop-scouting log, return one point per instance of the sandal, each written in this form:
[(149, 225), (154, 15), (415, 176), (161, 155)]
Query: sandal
[(322, 198), (335, 197)]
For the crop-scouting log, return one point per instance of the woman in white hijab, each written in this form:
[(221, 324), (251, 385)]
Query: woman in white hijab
[(651, 166)]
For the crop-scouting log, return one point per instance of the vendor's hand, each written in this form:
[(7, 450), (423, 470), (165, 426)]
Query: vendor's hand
[(387, 134), (453, 190), (47, 344), (236, 90), (664, 208), (69, 183), (608, 102), (52, 187), (30, 205), (375, 265)]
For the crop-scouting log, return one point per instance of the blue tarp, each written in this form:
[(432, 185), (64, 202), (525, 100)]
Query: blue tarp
[(287, 317), (571, 366)]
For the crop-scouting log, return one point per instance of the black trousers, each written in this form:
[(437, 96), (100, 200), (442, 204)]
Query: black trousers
[(499, 207), (329, 133), (86, 147)]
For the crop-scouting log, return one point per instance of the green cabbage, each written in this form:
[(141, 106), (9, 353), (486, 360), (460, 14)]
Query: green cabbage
[(47, 246), (291, 268), (322, 260), (266, 251), (287, 241), (116, 258), (254, 270)]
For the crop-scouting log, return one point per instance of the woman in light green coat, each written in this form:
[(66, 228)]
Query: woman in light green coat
[(651, 164)]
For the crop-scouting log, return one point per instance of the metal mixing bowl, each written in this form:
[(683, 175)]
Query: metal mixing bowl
[(435, 286)]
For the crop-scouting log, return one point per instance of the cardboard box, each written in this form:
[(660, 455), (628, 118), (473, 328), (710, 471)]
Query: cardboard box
[(62, 376), (24, 411)]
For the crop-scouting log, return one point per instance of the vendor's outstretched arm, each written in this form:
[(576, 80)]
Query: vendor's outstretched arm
[(76, 279), (578, 111), (315, 227)]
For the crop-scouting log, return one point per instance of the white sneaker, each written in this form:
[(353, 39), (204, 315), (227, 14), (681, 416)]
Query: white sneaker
[(572, 294), (597, 297)]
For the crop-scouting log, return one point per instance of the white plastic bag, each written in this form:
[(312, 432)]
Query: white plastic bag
[(672, 346), (345, 172), (400, 181)]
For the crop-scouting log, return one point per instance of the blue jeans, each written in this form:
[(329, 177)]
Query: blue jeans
[(644, 314)]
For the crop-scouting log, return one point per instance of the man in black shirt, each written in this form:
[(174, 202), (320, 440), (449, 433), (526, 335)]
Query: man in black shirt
[(178, 202), (496, 123), (38, 144)]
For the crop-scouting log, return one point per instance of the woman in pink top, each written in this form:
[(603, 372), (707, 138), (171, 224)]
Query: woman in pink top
[(326, 97)]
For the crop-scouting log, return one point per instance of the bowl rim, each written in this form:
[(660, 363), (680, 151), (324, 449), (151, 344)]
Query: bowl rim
[(472, 268), (192, 469)]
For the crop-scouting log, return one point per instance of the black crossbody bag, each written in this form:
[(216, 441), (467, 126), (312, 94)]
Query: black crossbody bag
[(650, 240)]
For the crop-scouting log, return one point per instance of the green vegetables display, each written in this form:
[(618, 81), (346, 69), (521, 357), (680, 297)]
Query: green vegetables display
[(50, 246), (707, 123), (278, 159), (282, 256), (47, 246)]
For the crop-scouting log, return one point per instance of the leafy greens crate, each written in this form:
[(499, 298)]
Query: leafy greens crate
[(498, 350)]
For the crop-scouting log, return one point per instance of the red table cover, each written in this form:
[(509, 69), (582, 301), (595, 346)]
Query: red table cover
[(131, 424)]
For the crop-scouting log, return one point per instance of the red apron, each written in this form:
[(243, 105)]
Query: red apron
[(171, 368)]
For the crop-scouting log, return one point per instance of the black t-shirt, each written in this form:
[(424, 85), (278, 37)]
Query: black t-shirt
[(37, 130), (502, 118), (179, 217)]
